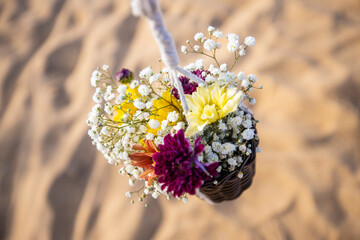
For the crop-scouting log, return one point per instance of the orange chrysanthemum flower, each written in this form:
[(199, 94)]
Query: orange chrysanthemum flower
[(144, 160)]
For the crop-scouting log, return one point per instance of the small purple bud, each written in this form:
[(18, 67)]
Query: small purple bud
[(125, 76)]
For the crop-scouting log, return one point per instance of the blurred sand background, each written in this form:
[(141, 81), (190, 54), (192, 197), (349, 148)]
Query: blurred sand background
[(55, 185)]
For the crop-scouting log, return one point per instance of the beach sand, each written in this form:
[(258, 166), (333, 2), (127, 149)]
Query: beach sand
[(55, 185)]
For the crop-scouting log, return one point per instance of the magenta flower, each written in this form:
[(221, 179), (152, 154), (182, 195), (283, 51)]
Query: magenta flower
[(199, 72), (189, 87), (178, 166)]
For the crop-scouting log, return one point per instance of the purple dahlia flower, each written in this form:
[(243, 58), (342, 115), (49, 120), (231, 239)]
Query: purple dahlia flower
[(178, 166), (189, 87)]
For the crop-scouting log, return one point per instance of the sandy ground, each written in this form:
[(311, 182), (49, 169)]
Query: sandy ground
[(55, 185)]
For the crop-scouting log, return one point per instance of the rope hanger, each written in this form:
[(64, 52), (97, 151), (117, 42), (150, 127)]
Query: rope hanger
[(151, 11)]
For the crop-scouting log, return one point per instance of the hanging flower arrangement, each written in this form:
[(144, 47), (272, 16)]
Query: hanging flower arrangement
[(139, 124)]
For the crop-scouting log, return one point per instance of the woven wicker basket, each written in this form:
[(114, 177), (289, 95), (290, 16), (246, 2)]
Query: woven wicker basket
[(230, 186)]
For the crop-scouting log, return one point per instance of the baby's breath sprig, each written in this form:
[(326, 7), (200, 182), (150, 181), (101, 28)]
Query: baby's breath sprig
[(208, 45)]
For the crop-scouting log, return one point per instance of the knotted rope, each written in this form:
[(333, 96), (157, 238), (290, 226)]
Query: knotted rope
[(151, 11)]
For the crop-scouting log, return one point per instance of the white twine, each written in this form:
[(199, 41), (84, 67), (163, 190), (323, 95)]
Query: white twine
[(151, 10), (191, 76)]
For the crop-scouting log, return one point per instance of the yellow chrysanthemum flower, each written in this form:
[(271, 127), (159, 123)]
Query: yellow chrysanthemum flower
[(125, 107), (162, 107), (210, 104)]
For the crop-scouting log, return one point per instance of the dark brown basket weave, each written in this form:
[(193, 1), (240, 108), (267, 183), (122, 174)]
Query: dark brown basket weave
[(229, 185)]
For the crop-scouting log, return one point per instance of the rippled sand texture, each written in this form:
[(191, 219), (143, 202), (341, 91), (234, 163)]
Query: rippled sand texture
[(55, 185)]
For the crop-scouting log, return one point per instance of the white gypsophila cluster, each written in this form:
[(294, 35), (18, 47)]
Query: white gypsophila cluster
[(146, 73), (199, 37), (115, 136), (139, 104), (155, 77), (250, 41), (229, 141), (154, 124), (209, 44), (235, 46), (95, 77), (109, 95), (233, 43), (173, 116), (211, 29), (221, 73), (199, 64), (227, 78), (134, 84), (232, 46), (143, 90), (247, 85), (223, 67), (184, 49), (218, 34), (190, 67), (223, 76), (215, 71), (97, 97)]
